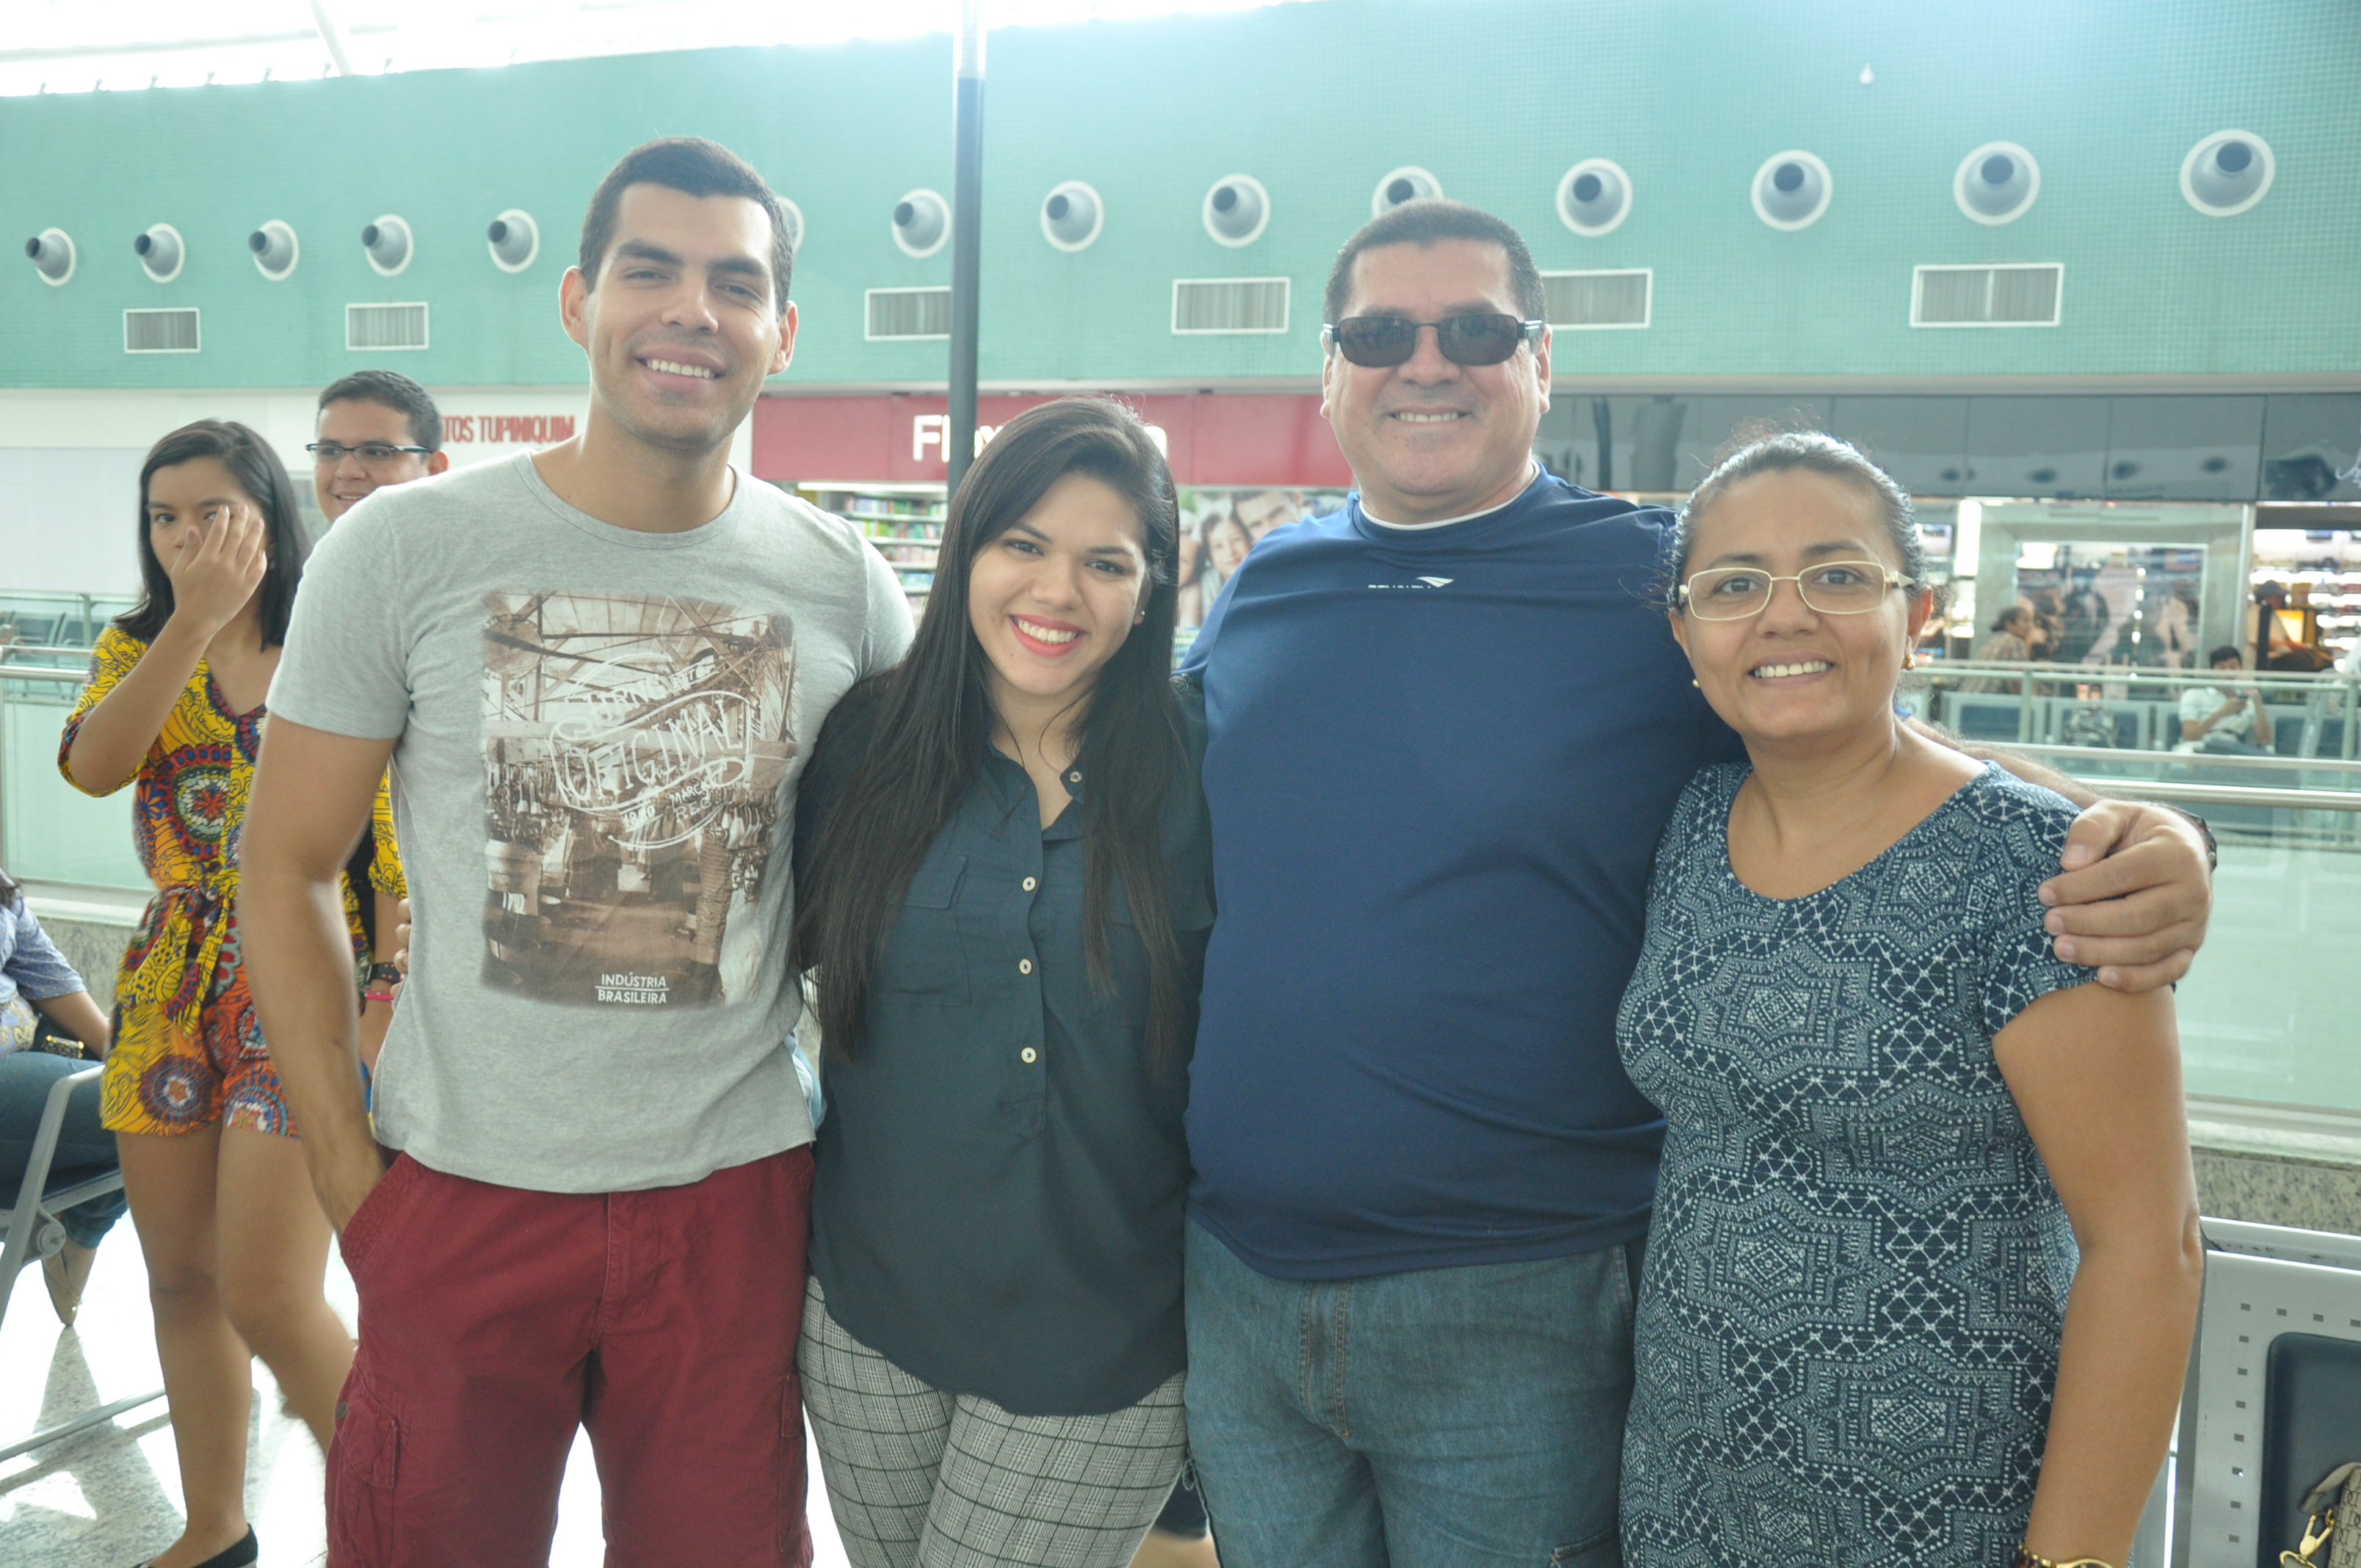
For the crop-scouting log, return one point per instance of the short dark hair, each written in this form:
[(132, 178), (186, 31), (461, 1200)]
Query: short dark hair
[(392, 390), (1426, 222), (694, 167), (1758, 447), (2224, 653), (2017, 609), (260, 474)]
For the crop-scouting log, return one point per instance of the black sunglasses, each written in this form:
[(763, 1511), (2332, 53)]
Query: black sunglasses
[(1476, 338)]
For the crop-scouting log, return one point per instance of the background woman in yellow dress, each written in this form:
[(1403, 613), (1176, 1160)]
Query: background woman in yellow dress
[(236, 1244)]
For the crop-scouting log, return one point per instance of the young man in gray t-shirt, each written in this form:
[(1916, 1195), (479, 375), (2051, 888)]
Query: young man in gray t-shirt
[(597, 672)]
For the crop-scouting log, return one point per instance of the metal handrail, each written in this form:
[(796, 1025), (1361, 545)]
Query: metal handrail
[(2174, 791), (2139, 675), (42, 673), (2202, 760)]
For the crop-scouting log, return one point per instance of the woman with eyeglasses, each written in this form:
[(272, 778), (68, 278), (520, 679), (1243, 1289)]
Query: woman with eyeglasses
[(236, 1244), (1923, 1265), (1002, 895)]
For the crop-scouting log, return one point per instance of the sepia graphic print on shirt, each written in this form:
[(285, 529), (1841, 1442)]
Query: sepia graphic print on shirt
[(633, 752)]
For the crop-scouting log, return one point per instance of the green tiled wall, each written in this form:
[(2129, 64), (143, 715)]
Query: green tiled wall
[(1498, 97)]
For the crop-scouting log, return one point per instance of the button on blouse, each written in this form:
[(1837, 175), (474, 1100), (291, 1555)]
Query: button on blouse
[(998, 1191)]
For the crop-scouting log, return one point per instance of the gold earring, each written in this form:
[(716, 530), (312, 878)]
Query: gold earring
[(1910, 659)]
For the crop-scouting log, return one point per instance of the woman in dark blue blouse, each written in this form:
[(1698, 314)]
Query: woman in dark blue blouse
[(1004, 892)]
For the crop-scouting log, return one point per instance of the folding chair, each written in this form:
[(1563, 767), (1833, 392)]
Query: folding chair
[(2271, 1379), (34, 1233)]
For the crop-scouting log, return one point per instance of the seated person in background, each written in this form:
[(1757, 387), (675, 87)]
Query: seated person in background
[(2228, 722), (2011, 642), (1906, 1299), (35, 979)]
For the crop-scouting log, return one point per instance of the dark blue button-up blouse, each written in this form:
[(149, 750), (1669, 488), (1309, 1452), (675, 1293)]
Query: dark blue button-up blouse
[(999, 1188)]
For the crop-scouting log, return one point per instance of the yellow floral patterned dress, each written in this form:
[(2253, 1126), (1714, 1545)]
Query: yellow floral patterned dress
[(187, 1050)]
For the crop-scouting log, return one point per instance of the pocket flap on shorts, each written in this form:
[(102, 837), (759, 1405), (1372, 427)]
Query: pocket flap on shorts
[(368, 1438)]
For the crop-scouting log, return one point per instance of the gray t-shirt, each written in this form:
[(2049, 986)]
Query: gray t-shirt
[(599, 734)]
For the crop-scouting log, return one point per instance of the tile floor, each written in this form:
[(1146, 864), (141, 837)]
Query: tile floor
[(108, 1498)]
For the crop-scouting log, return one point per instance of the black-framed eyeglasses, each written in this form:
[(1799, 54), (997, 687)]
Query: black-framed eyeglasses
[(1832, 587), (371, 453), (1476, 337)]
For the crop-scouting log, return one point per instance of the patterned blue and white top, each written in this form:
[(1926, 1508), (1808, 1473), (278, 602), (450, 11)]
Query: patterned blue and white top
[(1849, 1321), (31, 970)]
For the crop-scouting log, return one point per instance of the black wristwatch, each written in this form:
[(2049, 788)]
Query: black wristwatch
[(384, 974), (2204, 831)]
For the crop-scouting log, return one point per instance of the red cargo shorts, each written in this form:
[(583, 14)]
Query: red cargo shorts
[(495, 1320)]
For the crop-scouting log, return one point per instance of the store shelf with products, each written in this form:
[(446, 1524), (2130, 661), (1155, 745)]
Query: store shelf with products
[(2320, 570), (905, 522)]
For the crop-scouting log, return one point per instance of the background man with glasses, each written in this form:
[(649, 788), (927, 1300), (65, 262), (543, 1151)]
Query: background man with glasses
[(377, 428), (1447, 726)]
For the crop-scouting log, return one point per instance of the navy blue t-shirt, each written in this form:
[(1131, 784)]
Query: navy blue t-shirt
[(1438, 763)]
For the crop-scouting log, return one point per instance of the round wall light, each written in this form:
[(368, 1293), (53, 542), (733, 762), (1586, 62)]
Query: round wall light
[(1408, 184), (1996, 184), (922, 221), (1072, 216), (514, 240), (387, 245), (1792, 190), (1237, 210), (2227, 172), (161, 253), (1594, 196), (52, 252), (276, 250)]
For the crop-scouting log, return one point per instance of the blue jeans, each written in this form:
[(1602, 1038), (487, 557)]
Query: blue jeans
[(1448, 1417), (84, 1148)]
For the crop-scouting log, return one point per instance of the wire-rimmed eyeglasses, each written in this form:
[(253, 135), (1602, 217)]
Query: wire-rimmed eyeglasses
[(371, 453), (1832, 587)]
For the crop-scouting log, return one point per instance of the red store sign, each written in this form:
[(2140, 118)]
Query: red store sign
[(1210, 438)]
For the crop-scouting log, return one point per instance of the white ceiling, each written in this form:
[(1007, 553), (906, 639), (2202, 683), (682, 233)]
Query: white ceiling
[(79, 46)]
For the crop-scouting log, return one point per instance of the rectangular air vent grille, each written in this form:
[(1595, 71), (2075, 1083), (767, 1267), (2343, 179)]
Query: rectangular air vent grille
[(385, 326), (1582, 299), (2019, 294), (1229, 304), (910, 312), (159, 332)]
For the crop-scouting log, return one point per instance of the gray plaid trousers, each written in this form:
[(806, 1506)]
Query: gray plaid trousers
[(918, 1478)]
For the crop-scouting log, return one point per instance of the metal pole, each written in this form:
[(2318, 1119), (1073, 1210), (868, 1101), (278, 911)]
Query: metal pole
[(967, 214)]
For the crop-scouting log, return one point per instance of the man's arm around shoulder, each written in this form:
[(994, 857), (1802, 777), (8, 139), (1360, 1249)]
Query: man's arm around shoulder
[(312, 800)]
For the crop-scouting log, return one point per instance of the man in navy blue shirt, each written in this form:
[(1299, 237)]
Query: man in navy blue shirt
[(1446, 727)]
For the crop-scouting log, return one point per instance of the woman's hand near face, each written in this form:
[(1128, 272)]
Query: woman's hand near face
[(217, 568)]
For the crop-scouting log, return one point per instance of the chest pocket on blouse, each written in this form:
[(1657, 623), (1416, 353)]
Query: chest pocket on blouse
[(924, 960)]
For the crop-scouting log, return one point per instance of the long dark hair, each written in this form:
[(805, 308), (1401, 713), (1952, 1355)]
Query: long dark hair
[(934, 729), (260, 474)]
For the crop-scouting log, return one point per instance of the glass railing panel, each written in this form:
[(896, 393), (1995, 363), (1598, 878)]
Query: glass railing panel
[(2126, 708), (40, 618), (2268, 1011), (49, 830)]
